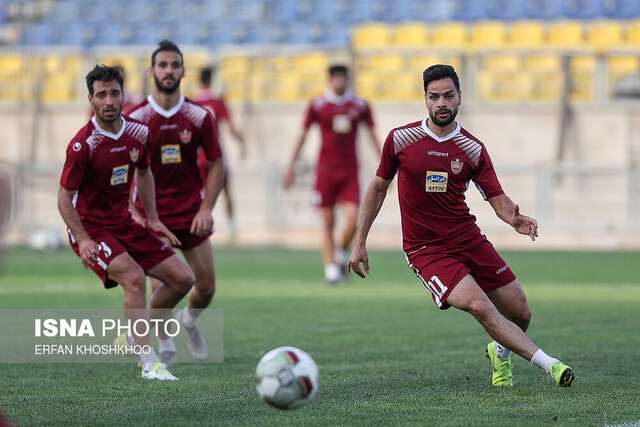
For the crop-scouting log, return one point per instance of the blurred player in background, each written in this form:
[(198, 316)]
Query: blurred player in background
[(93, 200), (435, 159), (338, 113), (179, 128), (218, 108), (5, 207)]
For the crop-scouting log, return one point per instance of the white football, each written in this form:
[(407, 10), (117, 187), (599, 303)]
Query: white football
[(287, 377)]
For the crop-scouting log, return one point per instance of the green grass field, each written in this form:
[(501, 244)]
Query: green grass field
[(386, 354)]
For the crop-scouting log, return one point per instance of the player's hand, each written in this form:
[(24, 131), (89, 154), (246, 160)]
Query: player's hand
[(89, 251), (358, 255), (524, 224), (202, 223), (160, 229), (287, 180)]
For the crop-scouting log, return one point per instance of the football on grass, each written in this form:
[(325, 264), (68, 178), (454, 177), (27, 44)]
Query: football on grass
[(287, 377)]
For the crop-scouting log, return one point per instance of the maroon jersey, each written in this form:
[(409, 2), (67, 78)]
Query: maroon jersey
[(338, 117), (100, 166), (215, 105), (433, 174), (173, 150)]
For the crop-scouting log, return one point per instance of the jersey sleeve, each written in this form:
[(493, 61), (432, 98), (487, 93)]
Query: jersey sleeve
[(145, 156), (210, 141), (223, 114), (310, 116), (367, 116), (389, 160), (75, 165), (485, 179)]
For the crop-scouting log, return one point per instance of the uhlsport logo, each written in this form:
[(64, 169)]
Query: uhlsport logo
[(170, 153), (436, 182), (120, 175)]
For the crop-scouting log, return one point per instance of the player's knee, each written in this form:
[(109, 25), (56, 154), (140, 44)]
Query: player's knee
[(135, 290), (523, 317), (185, 279), (482, 310)]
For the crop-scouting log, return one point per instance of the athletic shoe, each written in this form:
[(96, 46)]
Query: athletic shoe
[(125, 345), (501, 368), (562, 373), (159, 372), (195, 341)]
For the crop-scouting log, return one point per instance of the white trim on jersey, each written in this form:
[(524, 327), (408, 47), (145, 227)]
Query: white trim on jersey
[(339, 99), (106, 133), (164, 113), (436, 137)]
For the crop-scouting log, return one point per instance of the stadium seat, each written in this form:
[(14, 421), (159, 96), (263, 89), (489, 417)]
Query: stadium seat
[(310, 61), (543, 64), (487, 35), (621, 67), (527, 34), (583, 9), (370, 35), (501, 87), (419, 62), (543, 9), (621, 9), (500, 63), (582, 69), (469, 10), (603, 35), (632, 38), (64, 11), (505, 10), (411, 34), (565, 34), (10, 64), (380, 62), (449, 35), (430, 11)]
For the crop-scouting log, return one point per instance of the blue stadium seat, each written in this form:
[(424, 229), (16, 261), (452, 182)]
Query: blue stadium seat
[(147, 34), (133, 12), (469, 10), (113, 34), (320, 11), (64, 11), (74, 34), (36, 34), (430, 10), (505, 10), (621, 9), (222, 35), (355, 11), (164, 12), (543, 9), (281, 11), (583, 9), (93, 11), (335, 35)]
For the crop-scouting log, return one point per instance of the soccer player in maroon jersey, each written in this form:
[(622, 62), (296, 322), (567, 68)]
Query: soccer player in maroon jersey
[(180, 128), (435, 159), (93, 200), (218, 108), (338, 113)]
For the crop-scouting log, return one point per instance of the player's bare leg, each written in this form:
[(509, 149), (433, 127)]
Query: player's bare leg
[(351, 221), (511, 301), (331, 269), (200, 259), (228, 199), (469, 297)]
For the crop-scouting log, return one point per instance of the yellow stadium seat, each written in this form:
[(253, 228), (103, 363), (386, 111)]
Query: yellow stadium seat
[(311, 61), (565, 33), (527, 34), (58, 88), (420, 62), (10, 64), (505, 86), (543, 63), (384, 62), (487, 35), (370, 35), (603, 35), (411, 34), (449, 35), (621, 67), (501, 63), (633, 33)]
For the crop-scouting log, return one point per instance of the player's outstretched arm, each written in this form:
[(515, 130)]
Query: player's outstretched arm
[(147, 194), (373, 199), (87, 247), (289, 175), (203, 220), (509, 212), (374, 141)]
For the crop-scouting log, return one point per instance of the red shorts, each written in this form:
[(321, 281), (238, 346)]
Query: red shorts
[(441, 272), (189, 241), (142, 245), (336, 186)]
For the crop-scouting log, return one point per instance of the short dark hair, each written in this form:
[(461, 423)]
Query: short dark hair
[(439, 72), (165, 46), (104, 74), (205, 75), (338, 69)]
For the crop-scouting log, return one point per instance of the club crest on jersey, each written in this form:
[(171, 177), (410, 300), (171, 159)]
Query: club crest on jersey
[(437, 182), (134, 154), (120, 175), (456, 166), (185, 136), (170, 153)]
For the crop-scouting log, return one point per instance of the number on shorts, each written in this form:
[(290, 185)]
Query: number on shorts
[(436, 287)]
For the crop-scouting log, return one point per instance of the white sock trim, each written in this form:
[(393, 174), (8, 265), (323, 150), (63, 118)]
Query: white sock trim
[(502, 352), (166, 345), (543, 361), (187, 318), (149, 357)]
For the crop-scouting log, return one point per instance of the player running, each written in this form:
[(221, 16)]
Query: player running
[(435, 159), (93, 200), (218, 108), (338, 112), (179, 128)]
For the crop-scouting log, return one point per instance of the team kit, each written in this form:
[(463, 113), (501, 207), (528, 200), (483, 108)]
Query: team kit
[(137, 187)]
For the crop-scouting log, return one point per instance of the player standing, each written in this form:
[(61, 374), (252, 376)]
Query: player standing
[(218, 107), (338, 113), (435, 159), (180, 128), (93, 200)]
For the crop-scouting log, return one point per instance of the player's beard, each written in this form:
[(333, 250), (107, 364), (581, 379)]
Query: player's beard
[(168, 90), (442, 123), (101, 116)]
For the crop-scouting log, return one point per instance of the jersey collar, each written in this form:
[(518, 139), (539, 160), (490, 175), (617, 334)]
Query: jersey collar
[(338, 99), (164, 113), (436, 137), (106, 133)]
